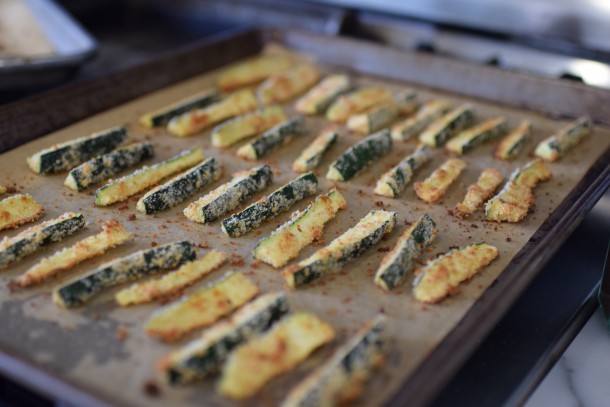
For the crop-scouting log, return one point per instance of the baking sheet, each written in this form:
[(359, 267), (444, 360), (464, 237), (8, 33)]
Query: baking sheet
[(20, 34), (82, 346)]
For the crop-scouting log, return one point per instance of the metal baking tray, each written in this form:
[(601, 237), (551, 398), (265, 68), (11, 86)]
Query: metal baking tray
[(73, 356), (72, 45)]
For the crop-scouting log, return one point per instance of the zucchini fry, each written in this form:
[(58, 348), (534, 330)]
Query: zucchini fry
[(278, 351), (171, 283), (435, 186), (442, 276), (489, 180), (113, 234), (17, 210), (202, 308), (283, 86)]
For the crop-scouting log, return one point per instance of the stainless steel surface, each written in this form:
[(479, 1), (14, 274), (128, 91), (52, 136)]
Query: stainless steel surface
[(583, 23), (502, 52), (73, 47)]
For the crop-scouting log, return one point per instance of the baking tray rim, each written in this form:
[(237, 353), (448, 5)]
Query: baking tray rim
[(443, 361)]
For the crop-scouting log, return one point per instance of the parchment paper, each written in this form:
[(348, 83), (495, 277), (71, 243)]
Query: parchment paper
[(81, 345)]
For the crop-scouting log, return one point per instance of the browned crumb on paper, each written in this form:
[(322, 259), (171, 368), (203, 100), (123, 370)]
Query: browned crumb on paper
[(121, 333), (151, 388)]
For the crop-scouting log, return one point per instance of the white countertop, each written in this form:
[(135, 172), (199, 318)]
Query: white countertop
[(581, 377)]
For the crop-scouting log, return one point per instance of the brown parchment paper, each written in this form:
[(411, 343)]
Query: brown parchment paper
[(81, 345)]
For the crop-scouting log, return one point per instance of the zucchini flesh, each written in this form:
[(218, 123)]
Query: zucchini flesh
[(146, 177), (252, 71), (277, 136), (556, 146), (113, 234), (171, 283), (489, 180), (311, 156), (64, 156), (17, 210), (468, 139), (414, 125), (356, 102), (445, 127), (134, 266), (323, 94), (393, 182), (435, 186), (179, 188), (512, 145), (341, 379), (516, 199), (195, 121), (383, 114), (278, 351), (270, 206), (532, 174), (225, 198), (101, 168), (360, 155), (202, 308), (206, 354), (289, 239), (283, 86), (375, 118), (402, 259), (442, 276), (162, 116), (30, 240), (351, 244), (247, 125)]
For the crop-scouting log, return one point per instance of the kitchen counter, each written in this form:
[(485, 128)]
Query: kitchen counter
[(580, 376)]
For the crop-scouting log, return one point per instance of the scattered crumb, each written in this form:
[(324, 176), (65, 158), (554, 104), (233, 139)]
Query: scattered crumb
[(383, 249), (154, 244), (508, 239), (132, 217), (151, 388), (380, 204), (123, 208), (236, 261), (121, 333), (203, 245)]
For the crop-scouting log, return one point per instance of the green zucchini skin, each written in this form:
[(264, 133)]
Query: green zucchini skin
[(30, 240), (556, 146), (402, 259), (162, 116), (277, 202), (437, 133), (180, 187), (238, 192), (131, 267), (470, 138), (305, 272), (273, 138), (101, 168), (393, 182), (72, 153), (360, 156), (357, 357), (206, 354)]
